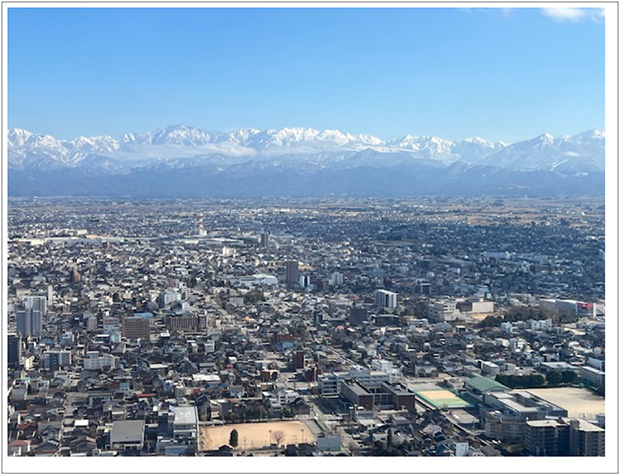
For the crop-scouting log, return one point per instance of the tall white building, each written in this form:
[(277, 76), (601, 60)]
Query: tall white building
[(304, 281), (386, 299), (50, 295), (337, 279), (96, 361), (444, 310)]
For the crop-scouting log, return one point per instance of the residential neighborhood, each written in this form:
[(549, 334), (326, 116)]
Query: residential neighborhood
[(306, 328)]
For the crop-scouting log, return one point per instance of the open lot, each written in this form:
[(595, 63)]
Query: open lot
[(256, 434), (578, 401)]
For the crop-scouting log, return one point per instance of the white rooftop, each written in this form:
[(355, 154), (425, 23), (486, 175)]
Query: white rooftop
[(185, 416)]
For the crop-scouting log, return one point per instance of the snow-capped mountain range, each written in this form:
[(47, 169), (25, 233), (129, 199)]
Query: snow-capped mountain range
[(42, 164)]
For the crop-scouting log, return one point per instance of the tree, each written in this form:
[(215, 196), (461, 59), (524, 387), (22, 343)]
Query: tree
[(490, 322), (521, 381), (420, 309), (553, 377), (234, 438), (253, 297), (568, 376), (278, 436)]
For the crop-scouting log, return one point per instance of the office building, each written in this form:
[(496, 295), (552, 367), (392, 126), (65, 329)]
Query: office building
[(96, 361), (135, 327), (56, 359), (14, 349), (329, 384), (188, 322), (37, 303), (358, 315), (444, 310), (384, 395), (592, 376), (29, 322)]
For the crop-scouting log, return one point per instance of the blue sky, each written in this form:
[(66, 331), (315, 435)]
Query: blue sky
[(497, 73)]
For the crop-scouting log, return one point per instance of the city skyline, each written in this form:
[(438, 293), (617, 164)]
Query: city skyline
[(449, 72)]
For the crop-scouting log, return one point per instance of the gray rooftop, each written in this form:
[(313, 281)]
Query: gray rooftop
[(131, 431)]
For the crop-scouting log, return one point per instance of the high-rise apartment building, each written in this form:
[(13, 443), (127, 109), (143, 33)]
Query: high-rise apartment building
[(292, 272), (50, 295), (563, 437), (386, 299), (586, 439), (264, 239)]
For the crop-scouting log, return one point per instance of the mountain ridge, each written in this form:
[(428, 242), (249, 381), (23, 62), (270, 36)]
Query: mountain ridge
[(301, 156)]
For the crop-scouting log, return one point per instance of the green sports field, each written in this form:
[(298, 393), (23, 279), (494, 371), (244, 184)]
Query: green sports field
[(441, 398)]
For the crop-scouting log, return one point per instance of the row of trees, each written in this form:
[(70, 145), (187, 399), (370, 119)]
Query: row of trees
[(525, 313), (521, 381), (552, 378), (258, 413), (564, 377)]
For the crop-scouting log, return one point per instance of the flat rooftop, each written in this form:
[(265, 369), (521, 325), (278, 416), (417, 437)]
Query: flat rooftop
[(442, 398), (185, 416), (127, 431)]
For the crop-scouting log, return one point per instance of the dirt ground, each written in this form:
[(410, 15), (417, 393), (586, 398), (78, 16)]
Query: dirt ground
[(255, 435), (438, 395), (578, 401)]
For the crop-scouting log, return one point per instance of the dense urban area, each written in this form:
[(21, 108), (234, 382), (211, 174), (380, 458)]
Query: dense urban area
[(324, 327)]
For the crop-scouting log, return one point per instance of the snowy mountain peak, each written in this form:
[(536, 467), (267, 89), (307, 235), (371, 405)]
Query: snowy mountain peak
[(545, 137), (180, 134), (479, 141), (593, 134), (18, 136), (178, 145)]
